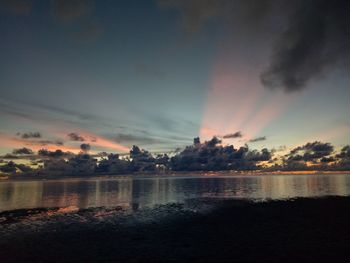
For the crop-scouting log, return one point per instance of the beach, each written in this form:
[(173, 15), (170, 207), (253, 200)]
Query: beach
[(199, 230)]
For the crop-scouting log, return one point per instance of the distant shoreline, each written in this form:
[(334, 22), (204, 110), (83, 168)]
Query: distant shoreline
[(169, 174)]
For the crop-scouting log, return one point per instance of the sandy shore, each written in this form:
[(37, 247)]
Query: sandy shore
[(203, 230)]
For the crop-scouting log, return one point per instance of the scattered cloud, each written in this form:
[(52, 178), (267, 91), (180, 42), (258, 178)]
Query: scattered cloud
[(48, 142), (73, 136), (23, 150), (258, 139), (30, 135), (233, 135), (53, 154)]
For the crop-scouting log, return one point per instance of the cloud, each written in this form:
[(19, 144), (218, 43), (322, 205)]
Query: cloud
[(233, 135), (258, 139), (73, 136), (310, 151), (310, 38), (9, 109), (29, 135), (343, 159), (345, 152), (32, 138), (211, 155), (48, 142), (54, 154), (315, 42), (23, 150), (17, 7), (279, 149), (39, 142), (85, 147), (67, 11), (255, 155)]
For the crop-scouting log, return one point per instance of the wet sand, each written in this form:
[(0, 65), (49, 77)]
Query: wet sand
[(201, 230)]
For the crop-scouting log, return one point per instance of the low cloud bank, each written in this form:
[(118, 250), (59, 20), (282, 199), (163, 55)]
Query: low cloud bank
[(200, 156)]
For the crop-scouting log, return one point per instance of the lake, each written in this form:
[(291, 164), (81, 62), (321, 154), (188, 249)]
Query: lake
[(135, 193)]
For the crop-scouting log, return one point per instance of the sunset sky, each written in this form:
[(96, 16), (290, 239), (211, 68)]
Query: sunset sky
[(159, 73)]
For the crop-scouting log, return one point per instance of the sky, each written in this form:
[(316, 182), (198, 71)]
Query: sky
[(159, 73)]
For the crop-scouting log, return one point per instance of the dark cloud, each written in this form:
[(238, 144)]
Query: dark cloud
[(255, 155), (17, 7), (213, 142), (310, 37), (67, 11), (211, 155), (279, 149), (53, 154), (258, 139), (345, 152), (85, 147), (73, 136), (233, 135), (343, 159), (315, 41), (23, 150), (29, 135), (311, 151)]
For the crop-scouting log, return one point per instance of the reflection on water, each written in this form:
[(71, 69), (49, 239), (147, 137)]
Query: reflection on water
[(129, 192)]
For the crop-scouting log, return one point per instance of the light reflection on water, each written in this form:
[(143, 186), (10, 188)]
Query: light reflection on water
[(137, 192)]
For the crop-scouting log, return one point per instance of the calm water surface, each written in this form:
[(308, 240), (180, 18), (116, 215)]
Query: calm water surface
[(141, 192)]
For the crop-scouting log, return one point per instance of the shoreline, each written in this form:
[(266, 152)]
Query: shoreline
[(167, 175)]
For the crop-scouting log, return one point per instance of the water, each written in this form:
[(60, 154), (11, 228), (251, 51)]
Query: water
[(141, 192)]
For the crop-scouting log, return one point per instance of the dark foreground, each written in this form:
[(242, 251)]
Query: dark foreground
[(198, 231)]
